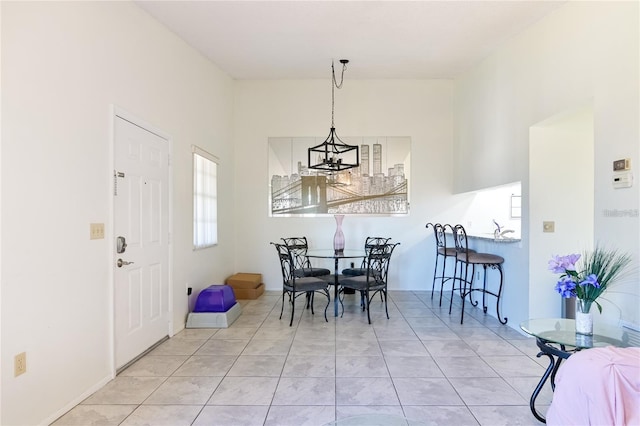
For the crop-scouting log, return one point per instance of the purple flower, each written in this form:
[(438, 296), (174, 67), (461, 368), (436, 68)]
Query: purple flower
[(566, 287), (562, 264), (591, 280)]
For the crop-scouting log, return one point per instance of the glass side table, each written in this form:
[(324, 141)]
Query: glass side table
[(558, 340)]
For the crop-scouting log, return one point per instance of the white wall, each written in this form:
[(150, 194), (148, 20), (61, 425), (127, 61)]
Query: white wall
[(418, 109), (489, 205), (582, 51), (560, 194), (64, 64)]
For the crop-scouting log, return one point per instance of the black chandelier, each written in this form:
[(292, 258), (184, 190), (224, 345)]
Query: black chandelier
[(333, 155)]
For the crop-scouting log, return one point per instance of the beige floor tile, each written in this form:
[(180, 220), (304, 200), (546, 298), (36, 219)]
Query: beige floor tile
[(163, 415), (421, 363)]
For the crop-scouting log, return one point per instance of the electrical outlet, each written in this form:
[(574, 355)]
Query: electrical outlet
[(96, 231), (20, 364)]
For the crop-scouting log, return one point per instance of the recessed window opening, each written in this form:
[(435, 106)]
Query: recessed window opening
[(205, 199)]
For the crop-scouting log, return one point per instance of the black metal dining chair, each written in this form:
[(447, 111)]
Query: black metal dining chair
[(294, 286), (375, 279), (369, 244)]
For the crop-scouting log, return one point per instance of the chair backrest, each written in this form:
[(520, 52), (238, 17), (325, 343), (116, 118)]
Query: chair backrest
[(286, 265), (378, 263), (460, 238), (370, 243), (298, 247), (439, 232)]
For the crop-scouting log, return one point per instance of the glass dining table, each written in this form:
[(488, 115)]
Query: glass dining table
[(557, 339), (336, 256)]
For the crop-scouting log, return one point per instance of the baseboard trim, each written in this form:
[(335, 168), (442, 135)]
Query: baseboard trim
[(86, 394)]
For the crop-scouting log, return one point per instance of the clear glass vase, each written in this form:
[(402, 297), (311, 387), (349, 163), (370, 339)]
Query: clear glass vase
[(584, 319), (338, 237)]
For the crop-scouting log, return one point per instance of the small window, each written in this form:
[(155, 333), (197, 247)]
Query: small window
[(205, 199), (516, 206)]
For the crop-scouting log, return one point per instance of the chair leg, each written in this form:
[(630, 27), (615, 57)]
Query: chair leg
[(386, 309), (442, 280), (435, 270), (282, 307), (455, 278), (473, 274), (368, 303), (326, 293), (293, 309), (464, 291), (484, 289), (499, 267)]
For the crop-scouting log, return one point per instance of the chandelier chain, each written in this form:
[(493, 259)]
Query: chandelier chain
[(335, 85)]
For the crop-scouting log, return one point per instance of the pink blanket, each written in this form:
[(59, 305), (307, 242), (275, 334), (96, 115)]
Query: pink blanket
[(599, 386)]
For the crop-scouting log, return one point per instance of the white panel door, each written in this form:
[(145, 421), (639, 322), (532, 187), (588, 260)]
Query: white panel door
[(141, 217)]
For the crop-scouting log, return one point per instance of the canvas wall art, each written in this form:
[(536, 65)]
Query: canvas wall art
[(379, 186)]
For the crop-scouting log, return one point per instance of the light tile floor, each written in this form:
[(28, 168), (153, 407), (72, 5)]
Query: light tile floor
[(420, 364)]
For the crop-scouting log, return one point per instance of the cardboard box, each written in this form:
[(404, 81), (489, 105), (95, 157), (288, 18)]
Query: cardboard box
[(249, 293), (246, 285)]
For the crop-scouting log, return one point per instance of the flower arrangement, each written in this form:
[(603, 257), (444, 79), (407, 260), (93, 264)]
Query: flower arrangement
[(600, 268)]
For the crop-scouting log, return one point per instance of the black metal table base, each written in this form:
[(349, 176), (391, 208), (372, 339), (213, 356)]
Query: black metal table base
[(556, 355)]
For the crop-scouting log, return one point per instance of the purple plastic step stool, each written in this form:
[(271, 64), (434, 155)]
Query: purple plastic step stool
[(215, 298)]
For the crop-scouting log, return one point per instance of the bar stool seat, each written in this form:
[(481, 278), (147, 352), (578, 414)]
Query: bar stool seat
[(484, 258)]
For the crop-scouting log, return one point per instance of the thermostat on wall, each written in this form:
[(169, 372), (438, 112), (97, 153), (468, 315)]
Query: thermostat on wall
[(622, 180)]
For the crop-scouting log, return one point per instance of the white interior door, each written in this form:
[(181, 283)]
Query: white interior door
[(141, 217)]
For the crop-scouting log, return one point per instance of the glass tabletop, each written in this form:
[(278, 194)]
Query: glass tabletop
[(562, 331), (332, 254)]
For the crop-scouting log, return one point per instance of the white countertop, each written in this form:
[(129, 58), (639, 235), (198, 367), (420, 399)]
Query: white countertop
[(489, 237)]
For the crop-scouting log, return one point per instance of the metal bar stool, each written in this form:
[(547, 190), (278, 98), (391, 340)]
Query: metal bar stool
[(468, 258), (442, 251)]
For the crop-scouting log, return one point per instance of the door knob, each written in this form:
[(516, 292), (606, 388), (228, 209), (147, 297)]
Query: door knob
[(123, 262)]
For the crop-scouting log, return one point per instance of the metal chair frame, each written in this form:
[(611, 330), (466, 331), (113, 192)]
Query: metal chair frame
[(466, 258), (295, 286), (375, 280), (302, 265), (442, 251), (369, 244)]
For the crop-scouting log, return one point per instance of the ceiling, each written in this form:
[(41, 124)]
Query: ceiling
[(382, 39)]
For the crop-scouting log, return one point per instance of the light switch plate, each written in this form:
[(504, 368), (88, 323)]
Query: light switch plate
[(548, 226), (96, 231)]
